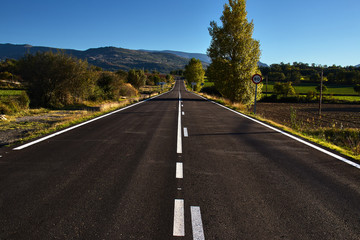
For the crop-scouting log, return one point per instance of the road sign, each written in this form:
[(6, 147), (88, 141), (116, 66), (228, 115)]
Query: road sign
[(256, 78)]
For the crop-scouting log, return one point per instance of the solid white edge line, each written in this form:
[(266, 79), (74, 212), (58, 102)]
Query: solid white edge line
[(186, 134), (179, 170), (179, 219), (82, 124), (196, 222), (289, 135)]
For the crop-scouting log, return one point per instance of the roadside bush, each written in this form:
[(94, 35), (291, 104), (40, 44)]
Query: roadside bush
[(4, 109), (137, 78), (211, 91), (9, 105), (24, 100), (127, 90), (55, 79), (110, 85)]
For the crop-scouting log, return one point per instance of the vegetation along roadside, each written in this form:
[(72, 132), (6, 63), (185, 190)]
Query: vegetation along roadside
[(46, 92)]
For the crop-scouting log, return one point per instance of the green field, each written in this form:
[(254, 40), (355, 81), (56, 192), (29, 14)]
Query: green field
[(10, 92), (305, 87), (344, 93)]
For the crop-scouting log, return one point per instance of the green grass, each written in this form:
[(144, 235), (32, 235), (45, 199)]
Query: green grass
[(208, 84), (303, 88), (10, 92), (347, 98)]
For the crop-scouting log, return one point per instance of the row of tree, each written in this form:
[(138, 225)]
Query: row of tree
[(298, 72), (56, 80)]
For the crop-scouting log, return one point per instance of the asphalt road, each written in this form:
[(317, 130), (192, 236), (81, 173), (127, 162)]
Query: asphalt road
[(138, 174)]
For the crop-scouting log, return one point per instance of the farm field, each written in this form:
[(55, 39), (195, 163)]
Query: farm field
[(306, 114)]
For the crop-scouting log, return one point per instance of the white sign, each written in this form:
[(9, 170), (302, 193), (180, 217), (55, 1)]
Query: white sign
[(257, 78)]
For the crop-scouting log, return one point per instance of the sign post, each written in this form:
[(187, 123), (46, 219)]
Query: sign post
[(256, 78), (192, 85)]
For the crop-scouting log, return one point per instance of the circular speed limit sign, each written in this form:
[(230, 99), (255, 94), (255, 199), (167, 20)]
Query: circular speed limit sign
[(256, 78)]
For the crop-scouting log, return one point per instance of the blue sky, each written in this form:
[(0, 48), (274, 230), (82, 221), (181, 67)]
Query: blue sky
[(322, 31)]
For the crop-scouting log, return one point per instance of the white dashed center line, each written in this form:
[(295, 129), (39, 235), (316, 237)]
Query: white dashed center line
[(179, 170), (186, 134), (179, 137), (197, 226), (179, 221)]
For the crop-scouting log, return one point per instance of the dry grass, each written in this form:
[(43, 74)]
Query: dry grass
[(32, 123)]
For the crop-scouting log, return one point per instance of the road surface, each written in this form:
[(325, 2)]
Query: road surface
[(176, 167)]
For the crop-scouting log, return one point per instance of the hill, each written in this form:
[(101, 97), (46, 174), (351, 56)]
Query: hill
[(108, 58), (202, 57), (357, 65), (112, 58)]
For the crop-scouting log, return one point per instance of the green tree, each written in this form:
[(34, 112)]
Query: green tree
[(169, 78), (284, 89), (315, 77), (234, 53), (357, 88), (194, 72), (110, 85), (324, 88), (137, 78), (276, 76), (294, 76), (56, 79)]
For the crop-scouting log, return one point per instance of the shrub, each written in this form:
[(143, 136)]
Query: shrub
[(24, 100), (4, 109), (128, 90), (137, 78), (324, 88), (211, 91), (56, 80), (310, 95), (357, 88), (284, 89), (109, 84), (9, 105)]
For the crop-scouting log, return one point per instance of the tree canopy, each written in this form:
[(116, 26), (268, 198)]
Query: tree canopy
[(234, 53), (194, 73)]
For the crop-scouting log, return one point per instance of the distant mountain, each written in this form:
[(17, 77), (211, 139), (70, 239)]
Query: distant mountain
[(357, 65), (108, 58), (202, 57), (112, 58)]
